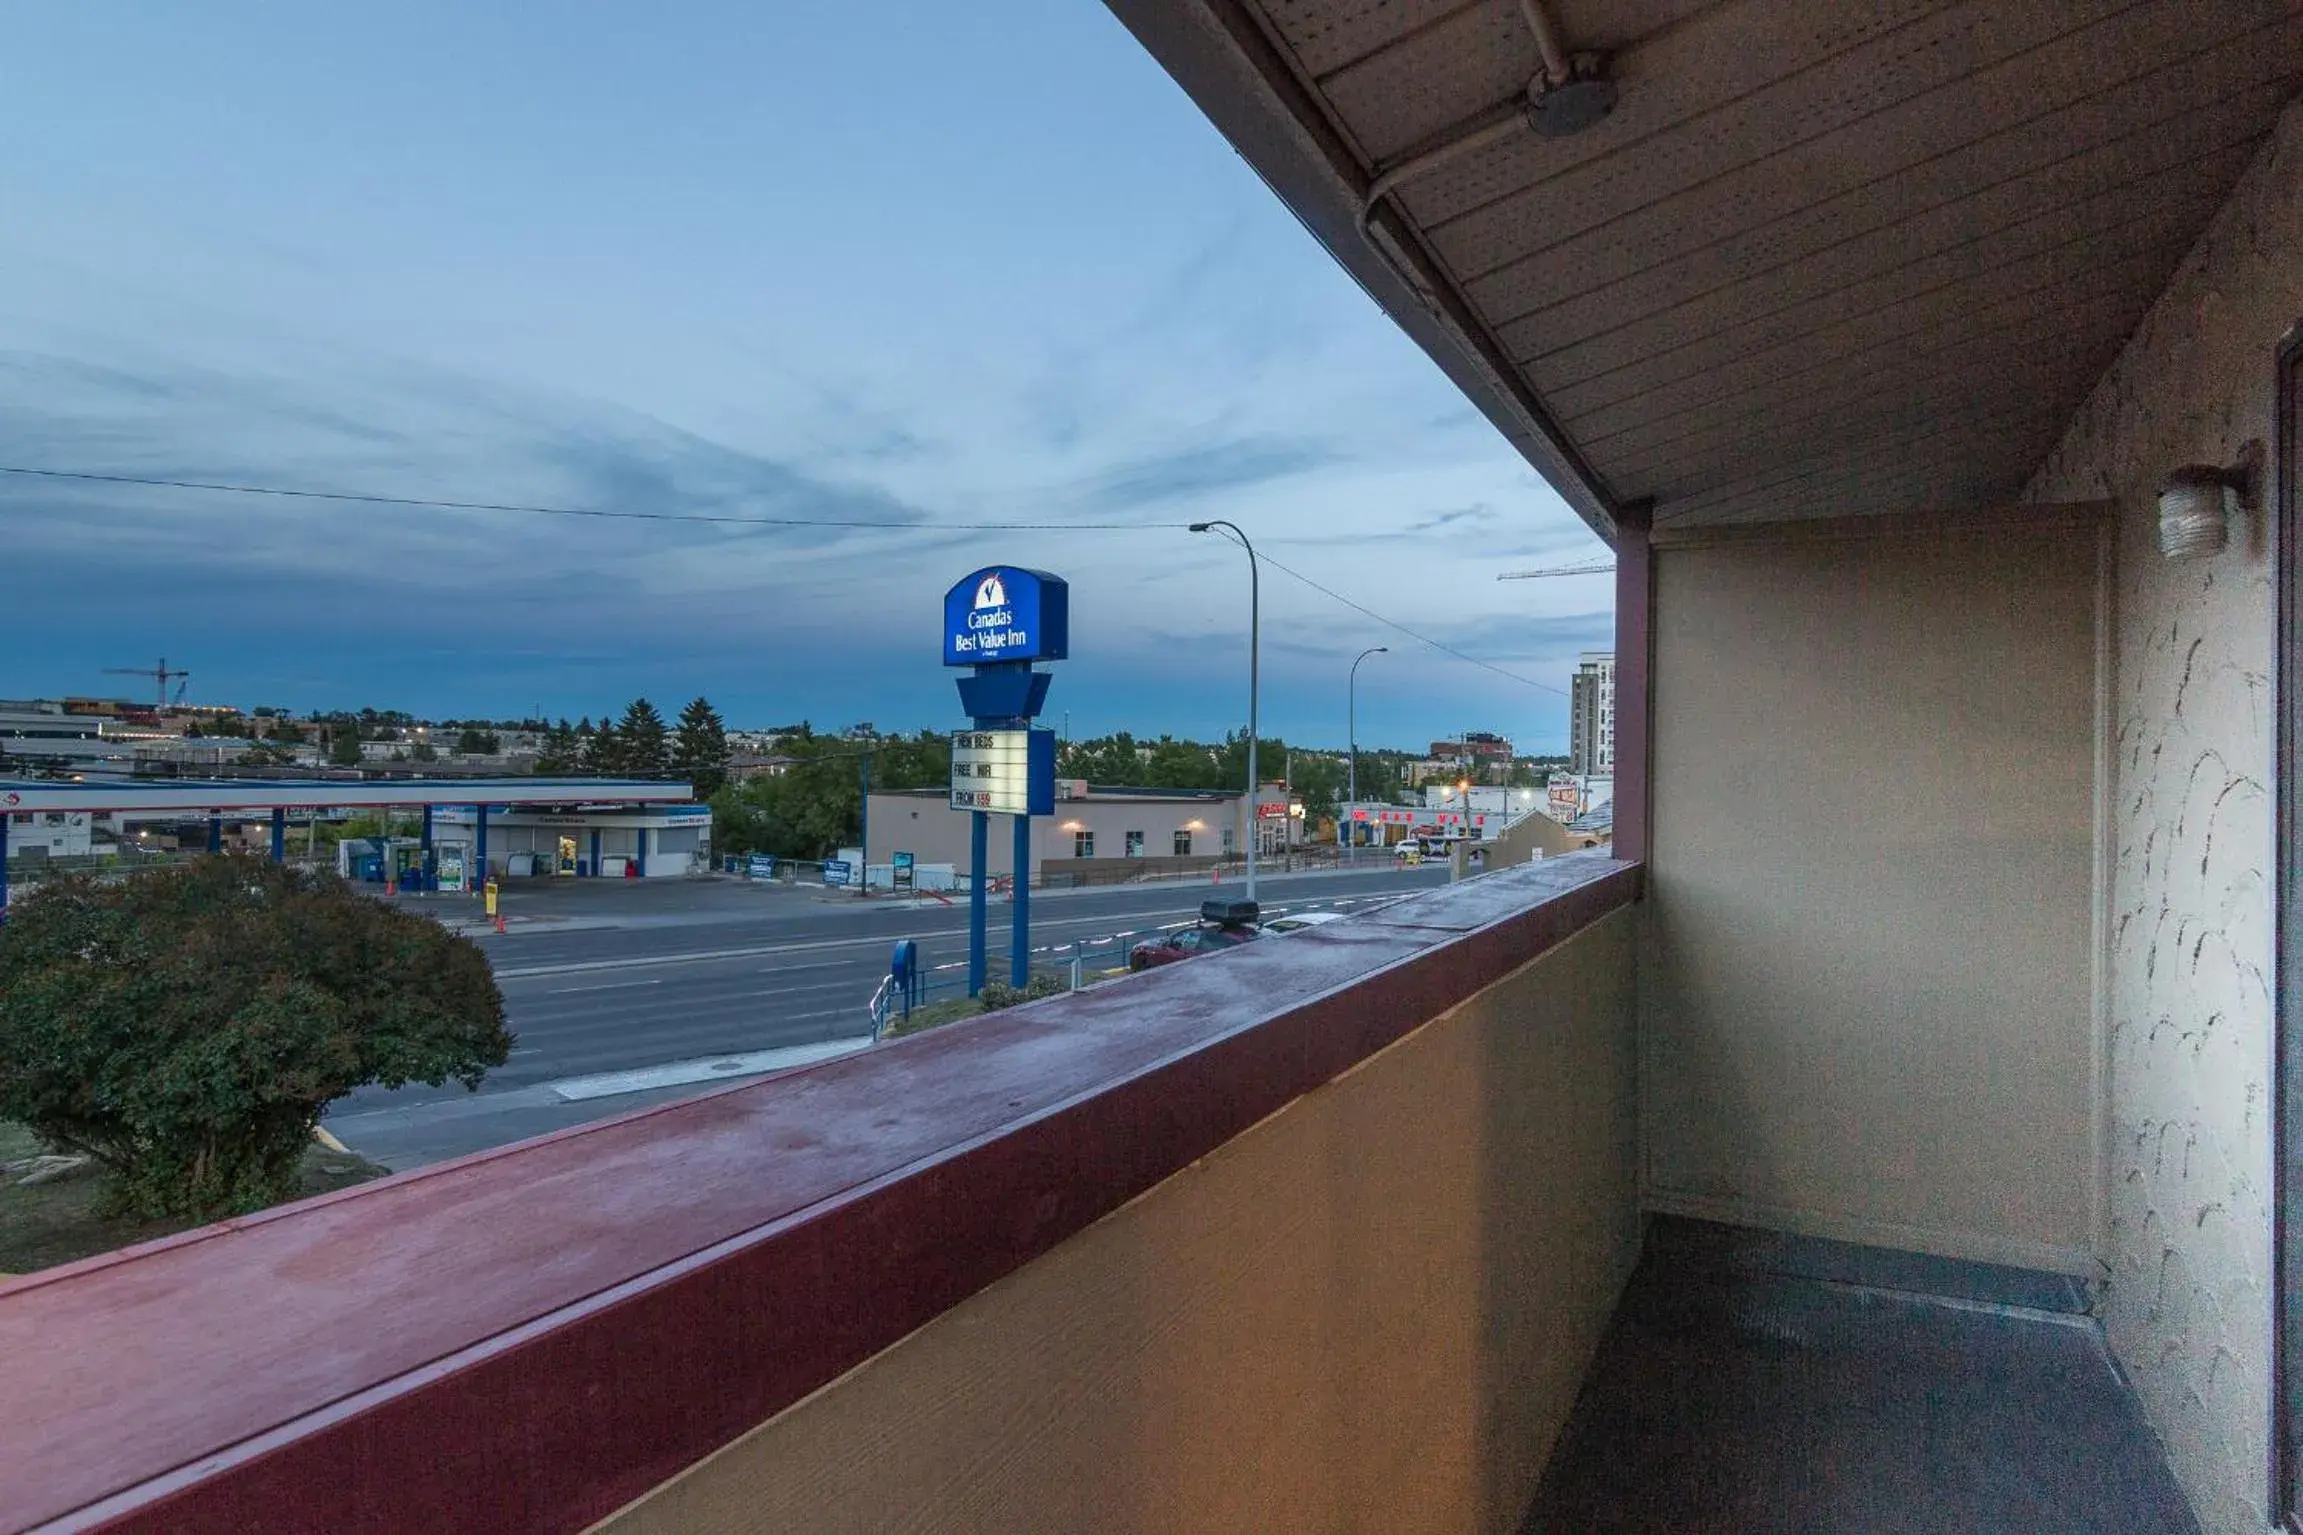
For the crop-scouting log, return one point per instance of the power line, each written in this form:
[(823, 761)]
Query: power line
[(1422, 639), (609, 514), (890, 524)]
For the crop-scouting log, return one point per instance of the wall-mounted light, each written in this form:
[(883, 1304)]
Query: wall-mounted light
[(2196, 505)]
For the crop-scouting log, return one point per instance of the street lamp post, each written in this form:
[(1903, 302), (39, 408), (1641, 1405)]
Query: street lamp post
[(1351, 731), (1254, 646)]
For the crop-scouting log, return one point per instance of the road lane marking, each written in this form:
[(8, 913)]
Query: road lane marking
[(759, 951), (566, 991)]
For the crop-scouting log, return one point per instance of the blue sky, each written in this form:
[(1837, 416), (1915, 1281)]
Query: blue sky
[(910, 262)]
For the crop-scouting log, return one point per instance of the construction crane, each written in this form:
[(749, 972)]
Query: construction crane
[(161, 676), (1591, 568)]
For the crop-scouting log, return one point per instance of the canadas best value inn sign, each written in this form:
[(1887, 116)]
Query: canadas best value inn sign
[(1007, 613)]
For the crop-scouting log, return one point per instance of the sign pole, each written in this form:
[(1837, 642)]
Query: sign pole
[(979, 850), (1020, 927)]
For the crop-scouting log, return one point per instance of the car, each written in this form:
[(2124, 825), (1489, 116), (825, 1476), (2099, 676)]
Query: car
[(1222, 925), (1298, 921)]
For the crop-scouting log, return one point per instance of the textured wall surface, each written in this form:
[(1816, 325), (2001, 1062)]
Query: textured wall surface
[(2189, 1300), (1372, 1311)]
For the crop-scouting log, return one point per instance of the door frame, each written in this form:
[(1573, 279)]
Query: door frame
[(2287, 859)]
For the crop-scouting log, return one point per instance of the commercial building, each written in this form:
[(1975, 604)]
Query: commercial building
[(1591, 714), (644, 841), (596, 804), (1093, 831), (46, 736), (36, 834)]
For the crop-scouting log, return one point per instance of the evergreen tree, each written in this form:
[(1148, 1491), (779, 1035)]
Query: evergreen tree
[(700, 750), (603, 751), (643, 745), (560, 751), (344, 745)]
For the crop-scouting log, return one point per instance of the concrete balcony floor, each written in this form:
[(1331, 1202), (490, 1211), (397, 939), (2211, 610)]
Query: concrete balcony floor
[(1753, 1382)]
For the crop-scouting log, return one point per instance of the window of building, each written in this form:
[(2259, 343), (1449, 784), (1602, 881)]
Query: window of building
[(23, 818), (1083, 844), (54, 818), (1230, 841), (1135, 842), (1183, 844)]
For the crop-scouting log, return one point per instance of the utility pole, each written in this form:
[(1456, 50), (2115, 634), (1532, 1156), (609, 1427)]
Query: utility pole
[(864, 829)]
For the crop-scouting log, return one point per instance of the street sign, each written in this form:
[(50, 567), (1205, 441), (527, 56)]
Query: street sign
[(1004, 772), (1007, 613), (837, 871)]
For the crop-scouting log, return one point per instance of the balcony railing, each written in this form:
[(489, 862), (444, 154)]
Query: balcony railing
[(1339, 1217)]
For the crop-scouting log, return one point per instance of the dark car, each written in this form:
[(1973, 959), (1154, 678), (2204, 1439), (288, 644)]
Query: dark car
[(1222, 925)]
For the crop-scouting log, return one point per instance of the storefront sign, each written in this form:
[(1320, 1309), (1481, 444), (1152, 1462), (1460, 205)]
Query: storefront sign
[(1004, 772), (1007, 613)]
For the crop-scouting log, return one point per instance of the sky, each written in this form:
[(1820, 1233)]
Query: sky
[(911, 263)]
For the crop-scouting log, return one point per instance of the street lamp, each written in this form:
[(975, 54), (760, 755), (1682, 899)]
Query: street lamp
[(1351, 731), (1254, 645)]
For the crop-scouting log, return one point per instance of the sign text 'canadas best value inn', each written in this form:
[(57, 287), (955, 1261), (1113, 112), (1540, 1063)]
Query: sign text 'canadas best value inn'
[(1007, 613)]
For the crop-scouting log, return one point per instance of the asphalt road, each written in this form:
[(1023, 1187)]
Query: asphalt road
[(623, 996)]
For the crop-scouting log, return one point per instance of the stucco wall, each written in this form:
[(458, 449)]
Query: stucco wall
[(1371, 1311), (1868, 1000), (2188, 1305)]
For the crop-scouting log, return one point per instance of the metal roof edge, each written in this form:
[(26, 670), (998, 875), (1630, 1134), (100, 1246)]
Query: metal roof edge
[(1239, 78)]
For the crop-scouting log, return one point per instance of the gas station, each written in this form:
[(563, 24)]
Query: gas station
[(655, 823)]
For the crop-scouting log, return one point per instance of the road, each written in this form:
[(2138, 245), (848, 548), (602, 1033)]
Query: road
[(624, 996)]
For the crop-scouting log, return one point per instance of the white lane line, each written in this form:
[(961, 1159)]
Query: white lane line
[(757, 951), (566, 991)]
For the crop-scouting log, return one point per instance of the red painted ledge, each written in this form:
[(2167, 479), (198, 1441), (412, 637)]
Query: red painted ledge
[(529, 1338)]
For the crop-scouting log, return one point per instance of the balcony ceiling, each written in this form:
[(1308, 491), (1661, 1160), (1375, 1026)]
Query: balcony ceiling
[(1822, 258)]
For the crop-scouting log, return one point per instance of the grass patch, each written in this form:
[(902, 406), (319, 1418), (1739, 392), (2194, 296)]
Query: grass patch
[(932, 1015), (50, 1223)]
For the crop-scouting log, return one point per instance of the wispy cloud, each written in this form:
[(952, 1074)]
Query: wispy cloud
[(1208, 469)]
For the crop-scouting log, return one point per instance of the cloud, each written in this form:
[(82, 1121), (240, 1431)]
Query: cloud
[(1187, 474)]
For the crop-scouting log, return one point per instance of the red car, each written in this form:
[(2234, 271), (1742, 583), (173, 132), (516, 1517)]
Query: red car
[(1222, 925)]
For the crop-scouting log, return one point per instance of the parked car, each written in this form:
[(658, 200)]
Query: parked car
[(1222, 925)]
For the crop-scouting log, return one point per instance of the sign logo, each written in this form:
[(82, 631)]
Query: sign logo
[(1006, 613)]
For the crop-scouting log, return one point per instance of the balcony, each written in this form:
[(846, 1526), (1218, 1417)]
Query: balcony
[(1885, 1138), (1326, 1233)]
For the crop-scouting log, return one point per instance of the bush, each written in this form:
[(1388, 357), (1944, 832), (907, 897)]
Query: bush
[(185, 1026), (1044, 983)]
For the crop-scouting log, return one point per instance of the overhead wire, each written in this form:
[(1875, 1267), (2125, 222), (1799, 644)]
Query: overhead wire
[(728, 519)]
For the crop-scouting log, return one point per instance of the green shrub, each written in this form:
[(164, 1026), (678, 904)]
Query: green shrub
[(185, 1026), (1043, 983)]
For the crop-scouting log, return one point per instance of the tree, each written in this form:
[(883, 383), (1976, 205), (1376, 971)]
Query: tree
[(700, 749), (603, 752), (475, 742), (185, 1026), (644, 748), (344, 745), (561, 751), (423, 751)]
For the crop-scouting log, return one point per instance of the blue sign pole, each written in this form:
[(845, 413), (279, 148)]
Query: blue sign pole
[(1020, 929), (998, 621), (979, 852)]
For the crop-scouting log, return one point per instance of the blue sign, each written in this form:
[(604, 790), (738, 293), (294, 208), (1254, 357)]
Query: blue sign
[(760, 866), (1007, 613), (836, 871)]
